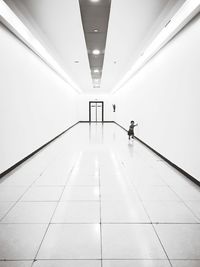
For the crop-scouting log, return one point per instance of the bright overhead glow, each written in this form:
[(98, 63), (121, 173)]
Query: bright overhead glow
[(8, 17), (96, 52), (94, 1), (188, 10), (96, 70)]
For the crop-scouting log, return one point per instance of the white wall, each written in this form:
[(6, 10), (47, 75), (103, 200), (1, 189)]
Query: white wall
[(164, 98), (35, 104)]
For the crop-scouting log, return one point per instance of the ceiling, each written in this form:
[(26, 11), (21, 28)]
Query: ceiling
[(132, 25), (95, 17)]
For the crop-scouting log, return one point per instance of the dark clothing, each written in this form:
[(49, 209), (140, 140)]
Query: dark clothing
[(131, 130)]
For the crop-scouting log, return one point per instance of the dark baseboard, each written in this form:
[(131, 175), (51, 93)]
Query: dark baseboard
[(186, 174), (190, 177), (33, 153), (40, 148)]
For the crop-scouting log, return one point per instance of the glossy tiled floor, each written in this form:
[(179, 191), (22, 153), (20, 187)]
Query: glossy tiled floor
[(94, 199)]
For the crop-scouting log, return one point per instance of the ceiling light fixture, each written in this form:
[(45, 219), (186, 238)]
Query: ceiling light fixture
[(14, 24), (188, 10), (94, 1), (96, 52), (96, 30), (96, 70)]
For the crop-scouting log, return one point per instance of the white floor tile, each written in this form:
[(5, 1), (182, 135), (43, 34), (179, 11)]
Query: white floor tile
[(128, 173), (194, 206), (20, 241), (4, 207), (80, 193), (169, 212), (157, 193), (77, 212), (147, 180), (43, 193), (15, 263), (83, 180), (30, 212), (68, 263), (24, 176), (185, 263), (187, 192), (136, 263), (71, 241), (125, 211), (131, 241), (56, 180), (22, 180), (181, 241), (117, 193), (11, 193)]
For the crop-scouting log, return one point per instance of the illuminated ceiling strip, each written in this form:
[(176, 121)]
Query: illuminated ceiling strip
[(189, 9), (13, 23)]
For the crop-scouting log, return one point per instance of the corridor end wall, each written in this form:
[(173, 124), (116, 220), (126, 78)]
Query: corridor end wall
[(164, 98), (35, 103)]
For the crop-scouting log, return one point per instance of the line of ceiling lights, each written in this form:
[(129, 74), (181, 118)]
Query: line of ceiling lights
[(95, 17), (96, 52), (15, 25), (188, 10)]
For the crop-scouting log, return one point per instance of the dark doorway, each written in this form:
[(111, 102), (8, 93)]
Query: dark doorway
[(96, 111)]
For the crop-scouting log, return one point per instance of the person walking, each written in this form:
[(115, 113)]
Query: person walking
[(131, 130)]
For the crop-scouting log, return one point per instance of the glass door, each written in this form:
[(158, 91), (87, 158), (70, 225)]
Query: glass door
[(96, 109)]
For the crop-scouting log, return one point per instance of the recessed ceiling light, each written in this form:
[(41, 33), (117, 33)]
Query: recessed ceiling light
[(94, 1), (96, 30), (96, 71), (96, 52)]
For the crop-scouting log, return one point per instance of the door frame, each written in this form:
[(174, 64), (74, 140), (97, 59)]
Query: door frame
[(90, 106)]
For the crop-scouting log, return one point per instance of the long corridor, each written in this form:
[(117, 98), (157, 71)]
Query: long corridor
[(91, 199)]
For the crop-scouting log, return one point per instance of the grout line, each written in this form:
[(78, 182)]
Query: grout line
[(97, 259), (101, 237), (18, 200), (69, 175), (151, 222), (106, 223), (39, 175), (34, 152), (169, 162), (185, 204)]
